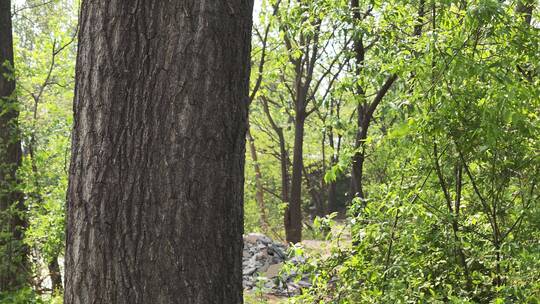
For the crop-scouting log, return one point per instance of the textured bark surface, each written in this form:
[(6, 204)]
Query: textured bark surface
[(155, 199), (12, 223)]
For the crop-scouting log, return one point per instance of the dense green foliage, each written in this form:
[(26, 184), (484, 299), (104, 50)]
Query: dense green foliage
[(452, 171), (44, 56), (451, 213)]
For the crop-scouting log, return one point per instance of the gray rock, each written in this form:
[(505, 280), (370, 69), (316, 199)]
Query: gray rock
[(257, 238), (273, 270), (249, 270)]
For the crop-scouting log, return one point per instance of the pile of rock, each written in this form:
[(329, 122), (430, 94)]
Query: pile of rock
[(260, 255), (262, 261)]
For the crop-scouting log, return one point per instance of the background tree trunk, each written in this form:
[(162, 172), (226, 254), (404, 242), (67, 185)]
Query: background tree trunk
[(55, 275), (284, 167), (13, 253), (359, 157), (293, 213), (259, 195), (332, 197), (526, 8), (365, 111), (155, 198)]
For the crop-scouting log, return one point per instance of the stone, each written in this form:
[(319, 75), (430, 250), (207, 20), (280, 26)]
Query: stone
[(249, 270), (273, 270), (257, 238), (261, 255)]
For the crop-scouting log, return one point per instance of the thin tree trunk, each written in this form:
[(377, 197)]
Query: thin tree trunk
[(316, 196), (155, 196), (455, 226), (364, 110), (332, 186), (319, 201), (359, 156), (284, 165), (283, 156), (55, 275), (334, 159), (364, 120), (259, 195), (357, 172), (13, 252), (332, 197), (304, 68), (526, 7), (293, 214), (454, 211), (322, 208)]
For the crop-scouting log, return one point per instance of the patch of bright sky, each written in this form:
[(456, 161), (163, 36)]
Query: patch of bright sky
[(257, 9)]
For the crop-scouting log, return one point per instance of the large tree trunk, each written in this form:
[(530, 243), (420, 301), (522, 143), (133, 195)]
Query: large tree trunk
[(293, 213), (155, 198), (13, 253)]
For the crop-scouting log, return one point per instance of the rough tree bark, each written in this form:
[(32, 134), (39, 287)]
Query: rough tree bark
[(155, 198), (13, 253)]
